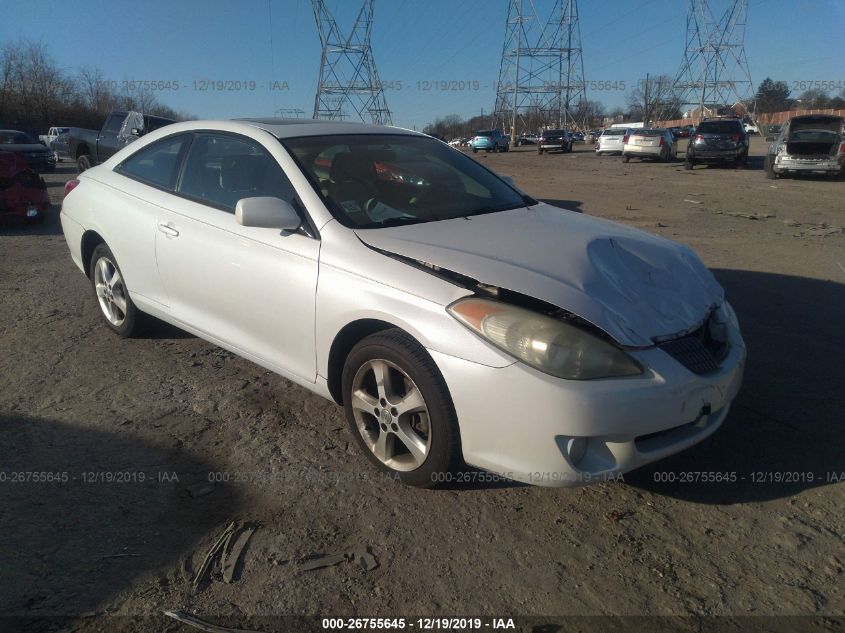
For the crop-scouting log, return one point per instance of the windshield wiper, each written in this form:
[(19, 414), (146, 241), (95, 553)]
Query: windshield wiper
[(402, 219)]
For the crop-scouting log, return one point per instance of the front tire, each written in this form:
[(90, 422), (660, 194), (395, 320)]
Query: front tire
[(399, 409), (116, 306)]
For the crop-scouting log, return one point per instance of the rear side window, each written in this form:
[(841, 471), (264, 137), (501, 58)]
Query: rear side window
[(113, 123), (221, 169), (156, 164)]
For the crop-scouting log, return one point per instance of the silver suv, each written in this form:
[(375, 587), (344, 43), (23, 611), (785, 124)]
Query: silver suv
[(808, 144)]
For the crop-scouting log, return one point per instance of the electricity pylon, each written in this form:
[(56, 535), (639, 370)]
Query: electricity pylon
[(715, 69), (349, 84), (541, 77)]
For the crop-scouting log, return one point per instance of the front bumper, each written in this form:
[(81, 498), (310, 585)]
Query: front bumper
[(522, 424), (788, 164), (39, 162)]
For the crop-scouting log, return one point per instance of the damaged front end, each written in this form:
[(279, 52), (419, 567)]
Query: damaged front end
[(561, 343), (23, 193)]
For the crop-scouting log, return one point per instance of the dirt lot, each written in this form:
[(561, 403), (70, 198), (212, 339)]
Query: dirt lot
[(78, 400)]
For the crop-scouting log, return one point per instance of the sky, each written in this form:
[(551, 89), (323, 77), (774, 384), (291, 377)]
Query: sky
[(272, 48)]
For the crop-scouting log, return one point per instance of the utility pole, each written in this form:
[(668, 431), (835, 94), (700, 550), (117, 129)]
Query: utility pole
[(348, 81), (541, 76), (715, 69)]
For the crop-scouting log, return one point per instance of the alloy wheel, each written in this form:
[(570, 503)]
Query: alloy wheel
[(391, 415), (111, 291)]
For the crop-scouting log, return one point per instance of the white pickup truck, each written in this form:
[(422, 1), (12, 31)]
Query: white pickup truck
[(52, 134)]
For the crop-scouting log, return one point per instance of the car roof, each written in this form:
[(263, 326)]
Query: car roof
[(289, 128)]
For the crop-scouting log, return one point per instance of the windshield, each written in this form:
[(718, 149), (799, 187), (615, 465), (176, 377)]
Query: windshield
[(484, 133), (614, 132), (554, 132), (371, 180), (15, 138)]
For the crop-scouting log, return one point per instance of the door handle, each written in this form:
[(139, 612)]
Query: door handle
[(168, 230)]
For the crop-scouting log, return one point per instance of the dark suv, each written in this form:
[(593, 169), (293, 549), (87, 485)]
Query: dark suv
[(718, 141)]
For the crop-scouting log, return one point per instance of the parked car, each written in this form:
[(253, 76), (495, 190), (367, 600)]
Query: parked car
[(656, 143), (808, 144), (490, 141), (456, 142), (750, 128), (612, 141), (444, 293), (577, 137), (527, 138), (91, 147), (594, 135), (23, 193), (37, 156), (554, 140), (680, 132), (716, 142), (52, 134), (773, 130)]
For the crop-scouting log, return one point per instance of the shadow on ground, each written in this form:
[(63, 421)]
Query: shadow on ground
[(784, 433), (88, 514)]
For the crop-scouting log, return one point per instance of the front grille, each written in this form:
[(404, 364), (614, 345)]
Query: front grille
[(698, 351)]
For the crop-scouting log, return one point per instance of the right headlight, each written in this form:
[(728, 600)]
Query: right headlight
[(550, 345)]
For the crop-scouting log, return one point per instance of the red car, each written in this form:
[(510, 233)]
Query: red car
[(23, 193)]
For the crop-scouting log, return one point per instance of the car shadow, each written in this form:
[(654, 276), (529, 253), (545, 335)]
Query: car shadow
[(784, 433), (569, 205), (156, 329), (88, 514)]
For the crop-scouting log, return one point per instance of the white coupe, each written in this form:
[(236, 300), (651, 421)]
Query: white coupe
[(457, 320)]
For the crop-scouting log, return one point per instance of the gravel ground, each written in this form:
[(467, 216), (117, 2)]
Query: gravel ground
[(169, 412)]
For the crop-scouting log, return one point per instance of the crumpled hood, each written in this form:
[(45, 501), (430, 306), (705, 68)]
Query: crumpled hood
[(633, 285)]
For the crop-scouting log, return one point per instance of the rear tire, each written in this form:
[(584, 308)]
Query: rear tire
[(113, 300), (474, 150), (626, 158), (374, 409), (769, 167), (539, 150), (84, 162)]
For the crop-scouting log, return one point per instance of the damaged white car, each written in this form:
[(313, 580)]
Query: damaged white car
[(456, 319), (808, 144)]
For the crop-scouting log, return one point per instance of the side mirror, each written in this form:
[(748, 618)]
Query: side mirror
[(267, 212)]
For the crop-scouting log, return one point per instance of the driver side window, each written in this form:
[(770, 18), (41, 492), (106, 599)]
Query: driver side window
[(221, 169)]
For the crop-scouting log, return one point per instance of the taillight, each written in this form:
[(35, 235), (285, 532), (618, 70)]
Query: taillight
[(662, 141), (842, 149), (698, 137), (70, 185), (625, 138)]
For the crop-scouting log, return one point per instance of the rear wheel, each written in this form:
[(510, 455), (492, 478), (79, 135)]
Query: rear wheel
[(626, 158), (399, 409), (84, 162), (474, 150), (116, 306), (689, 163), (769, 166), (539, 150)]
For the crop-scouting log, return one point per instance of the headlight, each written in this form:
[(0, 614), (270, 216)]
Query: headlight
[(547, 344)]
